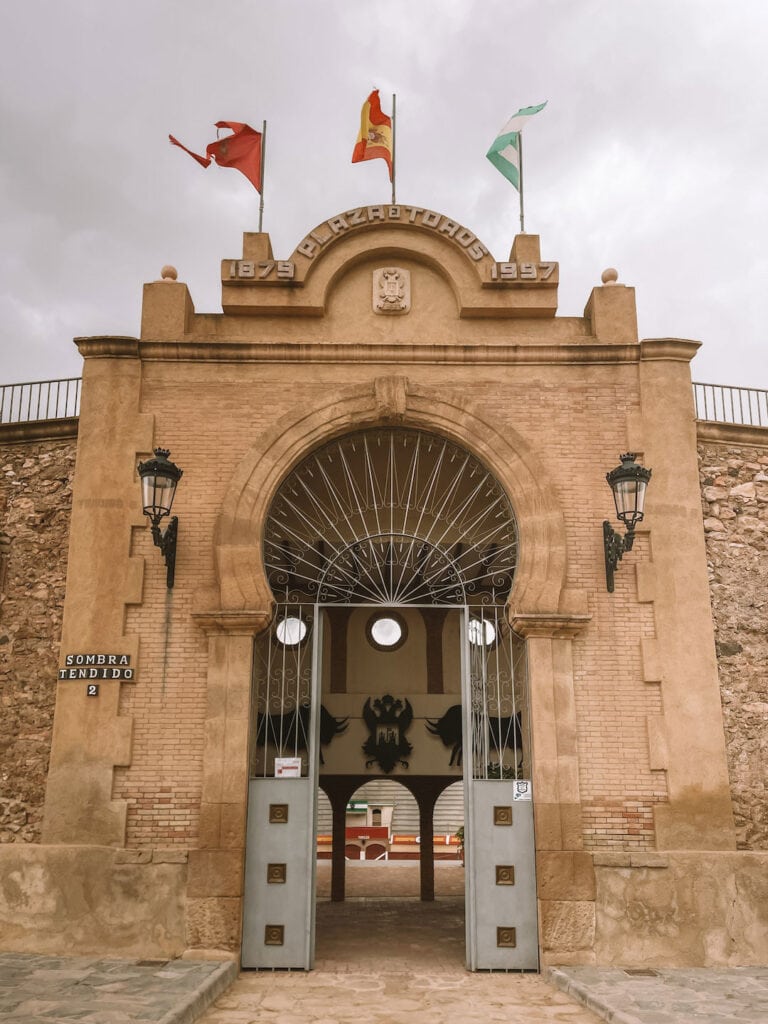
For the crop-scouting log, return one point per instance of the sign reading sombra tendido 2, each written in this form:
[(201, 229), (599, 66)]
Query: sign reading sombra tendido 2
[(97, 666)]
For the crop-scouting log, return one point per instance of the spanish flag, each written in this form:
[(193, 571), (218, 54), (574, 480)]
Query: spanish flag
[(375, 137)]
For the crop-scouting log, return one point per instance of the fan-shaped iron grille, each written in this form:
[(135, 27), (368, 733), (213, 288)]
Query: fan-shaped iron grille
[(391, 516)]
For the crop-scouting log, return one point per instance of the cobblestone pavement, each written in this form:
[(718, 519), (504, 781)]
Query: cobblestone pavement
[(94, 990)]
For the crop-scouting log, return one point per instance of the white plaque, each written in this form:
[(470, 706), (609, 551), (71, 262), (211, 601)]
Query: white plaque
[(289, 768)]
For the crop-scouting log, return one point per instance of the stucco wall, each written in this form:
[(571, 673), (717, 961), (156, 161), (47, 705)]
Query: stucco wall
[(734, 480), (35, 501), (681, 910), (85, 900)]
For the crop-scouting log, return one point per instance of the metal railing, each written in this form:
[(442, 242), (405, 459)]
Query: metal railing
[(719, 403), (40, 400), (60, 399)]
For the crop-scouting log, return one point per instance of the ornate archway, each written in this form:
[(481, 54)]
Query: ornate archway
[(540, 561), (391, 515)]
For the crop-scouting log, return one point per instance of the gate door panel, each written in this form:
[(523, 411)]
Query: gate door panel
[(501, 918), (279, 891)]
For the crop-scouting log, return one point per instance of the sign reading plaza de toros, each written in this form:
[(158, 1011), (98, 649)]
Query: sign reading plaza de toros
[(273, 271)]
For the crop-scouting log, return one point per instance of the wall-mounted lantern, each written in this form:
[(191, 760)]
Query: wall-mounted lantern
[(628, 483), (158, 487)]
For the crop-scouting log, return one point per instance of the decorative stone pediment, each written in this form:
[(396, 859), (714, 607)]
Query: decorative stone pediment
[(410, 237)]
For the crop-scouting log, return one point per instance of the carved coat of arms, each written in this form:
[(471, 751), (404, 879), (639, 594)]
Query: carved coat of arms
[(391, 290), (387, 721)]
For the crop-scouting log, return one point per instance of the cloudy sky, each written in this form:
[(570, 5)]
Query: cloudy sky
[(651, 156)]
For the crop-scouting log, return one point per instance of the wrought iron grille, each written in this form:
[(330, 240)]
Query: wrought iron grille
[(499, 732), (391, 516), (282, 691)]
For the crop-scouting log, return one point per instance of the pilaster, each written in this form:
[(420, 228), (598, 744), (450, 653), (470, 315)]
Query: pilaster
[(89, 737), (565, 874), (215, 881)]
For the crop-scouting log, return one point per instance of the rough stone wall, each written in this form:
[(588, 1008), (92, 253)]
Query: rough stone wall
[(734, 481), (35, 502)]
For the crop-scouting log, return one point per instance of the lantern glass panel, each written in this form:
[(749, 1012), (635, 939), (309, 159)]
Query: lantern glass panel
[(629, 496), (157, 494)]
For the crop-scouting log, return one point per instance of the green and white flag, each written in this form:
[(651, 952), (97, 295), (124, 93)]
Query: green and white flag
[(504, 154)]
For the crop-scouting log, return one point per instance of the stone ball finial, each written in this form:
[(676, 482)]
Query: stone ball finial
[(169, 273), (610, 276)]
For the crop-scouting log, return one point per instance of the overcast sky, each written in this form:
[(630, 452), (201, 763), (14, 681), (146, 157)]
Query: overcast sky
[(651, 156)]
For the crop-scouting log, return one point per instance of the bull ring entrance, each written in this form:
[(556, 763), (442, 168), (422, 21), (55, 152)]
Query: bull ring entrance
[(390, 552)]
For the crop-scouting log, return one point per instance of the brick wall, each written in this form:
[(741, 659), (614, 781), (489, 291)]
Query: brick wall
[(163, 783), (168, 703), (734, 480), (35, 502)]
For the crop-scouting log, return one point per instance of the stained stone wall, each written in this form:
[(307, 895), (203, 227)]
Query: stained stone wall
[(35, 502), (734, 479)]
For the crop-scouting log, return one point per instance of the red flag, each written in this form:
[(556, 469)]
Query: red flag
[(241, 150), (200, 159)]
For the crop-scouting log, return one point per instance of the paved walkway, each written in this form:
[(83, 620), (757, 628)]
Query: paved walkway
[(93, 990), (700, 995), (389, 960), (393, 961)]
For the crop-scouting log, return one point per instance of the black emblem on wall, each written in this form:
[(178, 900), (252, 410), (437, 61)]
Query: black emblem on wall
[(290, 729), (387, 721), (503, 733), (449, 729)]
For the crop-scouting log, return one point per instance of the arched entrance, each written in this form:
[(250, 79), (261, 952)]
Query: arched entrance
[(391, 552)]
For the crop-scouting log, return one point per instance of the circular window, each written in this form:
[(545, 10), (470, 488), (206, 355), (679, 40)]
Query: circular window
[(386, 632), (291, 630), (481, 632)]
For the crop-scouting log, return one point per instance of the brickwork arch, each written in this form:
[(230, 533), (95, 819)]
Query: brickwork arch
[(540, 573)]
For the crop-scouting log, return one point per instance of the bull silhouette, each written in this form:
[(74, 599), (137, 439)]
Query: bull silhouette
[(503, 733), (289, 729), (450, 730)]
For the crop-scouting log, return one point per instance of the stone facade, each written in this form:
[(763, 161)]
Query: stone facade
[(734, 479), (35, 501), (630, 768), (35, 504)]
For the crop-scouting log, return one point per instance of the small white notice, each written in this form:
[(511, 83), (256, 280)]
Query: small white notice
[(287, 767), (522, 790)]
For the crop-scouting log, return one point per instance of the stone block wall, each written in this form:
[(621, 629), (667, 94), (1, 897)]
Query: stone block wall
[(734, 479), (35, 501)]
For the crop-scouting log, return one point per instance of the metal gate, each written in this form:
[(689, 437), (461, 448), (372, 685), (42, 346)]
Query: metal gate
[(279, 890), (279, 894), (501, 918)]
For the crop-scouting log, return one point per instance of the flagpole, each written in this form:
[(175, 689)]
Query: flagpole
[(261, 172), (520, 155), (394, 129)]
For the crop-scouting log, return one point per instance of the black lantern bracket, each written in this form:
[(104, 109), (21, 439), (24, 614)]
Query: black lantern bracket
[(166, 541), (628, 482), (615, 547), (159, 477)]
